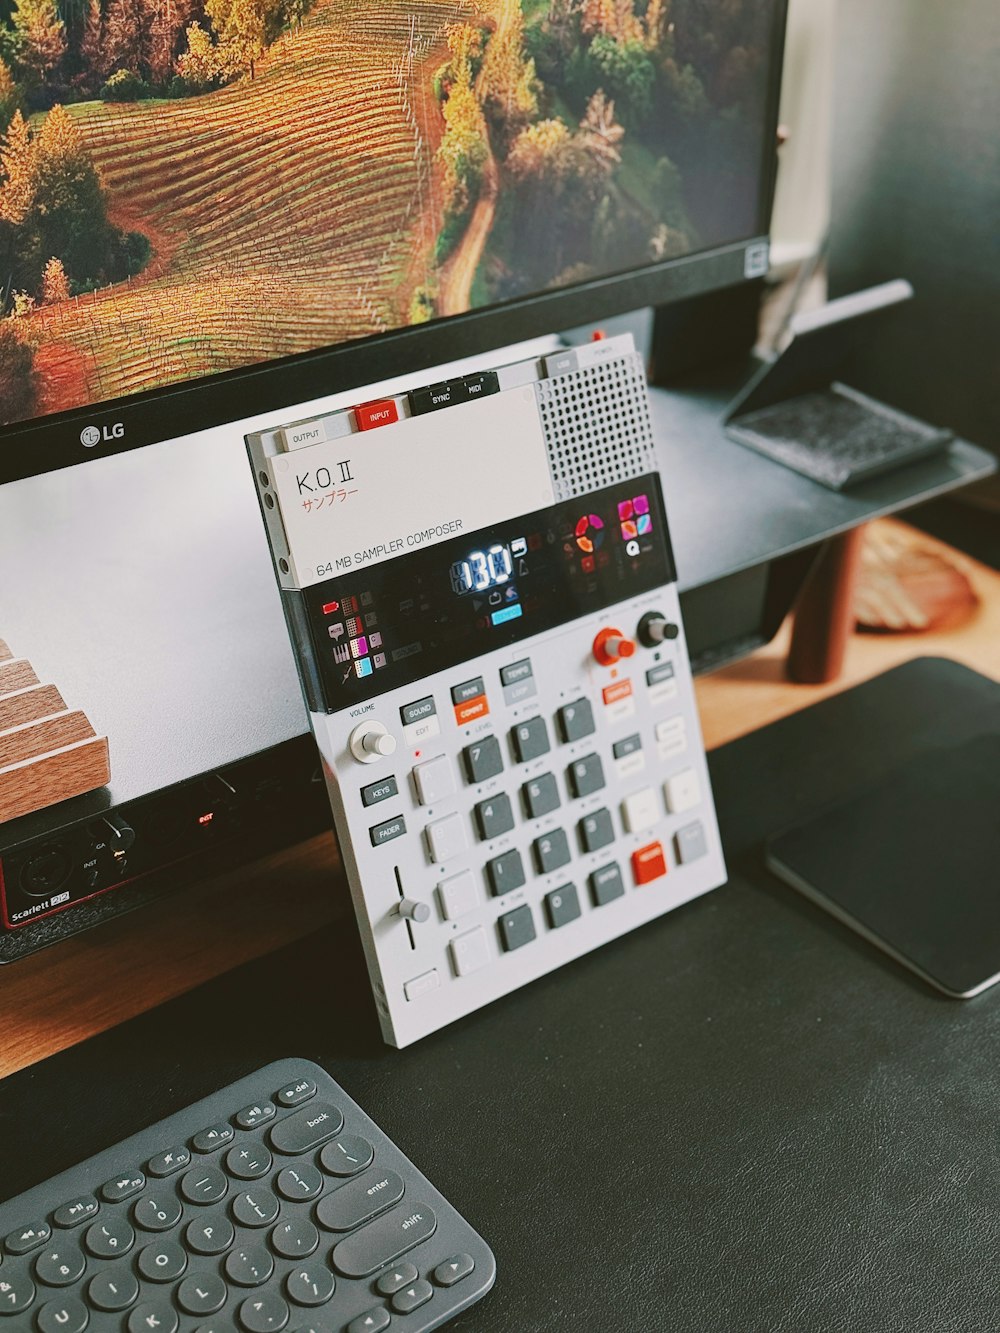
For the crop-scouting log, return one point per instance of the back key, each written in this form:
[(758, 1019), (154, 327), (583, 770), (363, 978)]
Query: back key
[(307, 1129)]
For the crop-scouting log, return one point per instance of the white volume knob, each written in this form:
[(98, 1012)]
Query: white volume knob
[(370, 741)]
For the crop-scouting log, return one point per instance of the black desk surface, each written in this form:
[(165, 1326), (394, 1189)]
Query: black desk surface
[(739, 1118)]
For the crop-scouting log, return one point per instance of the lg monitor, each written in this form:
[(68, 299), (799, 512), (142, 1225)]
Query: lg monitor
[(213, 216)]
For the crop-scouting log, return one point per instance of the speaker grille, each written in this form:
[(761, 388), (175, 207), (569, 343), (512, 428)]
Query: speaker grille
[(597, 426)]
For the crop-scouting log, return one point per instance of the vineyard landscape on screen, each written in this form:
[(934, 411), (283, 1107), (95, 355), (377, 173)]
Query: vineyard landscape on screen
[(192, 186)]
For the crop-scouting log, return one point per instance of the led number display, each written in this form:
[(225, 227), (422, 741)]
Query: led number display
[(481, 570)]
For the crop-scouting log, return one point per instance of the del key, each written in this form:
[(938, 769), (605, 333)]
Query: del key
[(307, 1129)]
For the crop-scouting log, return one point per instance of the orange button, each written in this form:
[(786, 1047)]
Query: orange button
[(621, 689), (648, 863), (381, 413), (471, 709)]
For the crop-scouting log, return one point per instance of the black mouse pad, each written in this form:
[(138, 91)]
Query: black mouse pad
[(913, 864)]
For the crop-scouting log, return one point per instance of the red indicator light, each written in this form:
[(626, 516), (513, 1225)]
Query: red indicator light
[(598, 336), (207, 818), (330, 607)]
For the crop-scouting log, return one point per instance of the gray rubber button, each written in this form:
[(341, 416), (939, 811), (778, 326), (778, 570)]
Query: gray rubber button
[(540, 796), (202, 1294), (412, 1297), (453, 1270), (310, 1284), (347, 1155), (113, 1289), (307, 1129)]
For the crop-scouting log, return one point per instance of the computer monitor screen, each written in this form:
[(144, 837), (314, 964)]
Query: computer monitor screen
[(202, 186), (216, 215)]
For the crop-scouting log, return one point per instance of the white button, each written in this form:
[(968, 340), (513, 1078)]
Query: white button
[(667, 689), (671, 736), (457, 895), (669, 727), (435, 779), (427, 981), (631, 764), (640, 810), (415, 732), (682, 791), (470, 952), (446, 838)]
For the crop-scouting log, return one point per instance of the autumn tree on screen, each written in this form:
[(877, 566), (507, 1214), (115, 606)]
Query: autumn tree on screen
[(39, 39)]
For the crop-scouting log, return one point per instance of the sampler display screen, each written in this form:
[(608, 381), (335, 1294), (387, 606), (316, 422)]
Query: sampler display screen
[(434, 608)]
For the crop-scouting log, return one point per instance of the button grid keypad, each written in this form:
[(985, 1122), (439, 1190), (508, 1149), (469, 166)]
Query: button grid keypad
[(550, 793), (338, 1224)]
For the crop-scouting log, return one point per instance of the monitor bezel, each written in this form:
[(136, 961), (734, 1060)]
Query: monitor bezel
[(168, 412)]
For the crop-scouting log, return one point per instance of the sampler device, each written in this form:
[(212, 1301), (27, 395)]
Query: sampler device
[(478, 582)]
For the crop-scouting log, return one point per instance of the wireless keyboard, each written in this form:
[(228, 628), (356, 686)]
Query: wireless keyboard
[(275, 1204)]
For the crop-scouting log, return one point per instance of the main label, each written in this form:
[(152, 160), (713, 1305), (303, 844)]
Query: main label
[(349, 504)]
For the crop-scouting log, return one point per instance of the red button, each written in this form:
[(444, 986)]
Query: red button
[(648, 863), (471, 709), (621, 689), (382, 413)]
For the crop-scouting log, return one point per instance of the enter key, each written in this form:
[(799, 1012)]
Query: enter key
[(365, 1196)]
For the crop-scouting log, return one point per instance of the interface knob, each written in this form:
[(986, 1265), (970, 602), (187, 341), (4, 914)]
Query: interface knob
[(654, 628), (611, 645), (370, 742), (115, 832), (410, 910)]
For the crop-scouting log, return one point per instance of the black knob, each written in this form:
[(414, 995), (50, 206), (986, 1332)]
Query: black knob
[(116, 832), (654, 628)]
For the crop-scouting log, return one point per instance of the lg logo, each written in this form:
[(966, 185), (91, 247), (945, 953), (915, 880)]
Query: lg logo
[(91, 435)]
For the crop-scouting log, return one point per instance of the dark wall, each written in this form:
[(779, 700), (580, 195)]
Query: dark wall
[(916, 194)]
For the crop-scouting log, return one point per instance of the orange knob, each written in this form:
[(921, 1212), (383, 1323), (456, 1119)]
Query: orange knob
[(611, 645)]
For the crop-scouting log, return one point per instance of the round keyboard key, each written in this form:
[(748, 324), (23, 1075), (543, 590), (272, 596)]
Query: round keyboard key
[(113, 1290), (296, 1183), (255, 1208), (162, 1262), (295, 1239), (310, 1284), (249, 1266), (248, 1161), (211, 1234), (203, 1294), (110, 1238), (266, 1313), (347, 1155), (153, 1317), (69, 1316), (60, 1265), (17, 1291), (204, 1185), (157, 1212)]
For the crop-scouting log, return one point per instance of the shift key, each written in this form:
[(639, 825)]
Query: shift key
[(306, 1129), (383, 1241)]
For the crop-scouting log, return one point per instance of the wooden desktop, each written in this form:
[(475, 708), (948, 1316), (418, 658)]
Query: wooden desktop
[(85, 985)]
